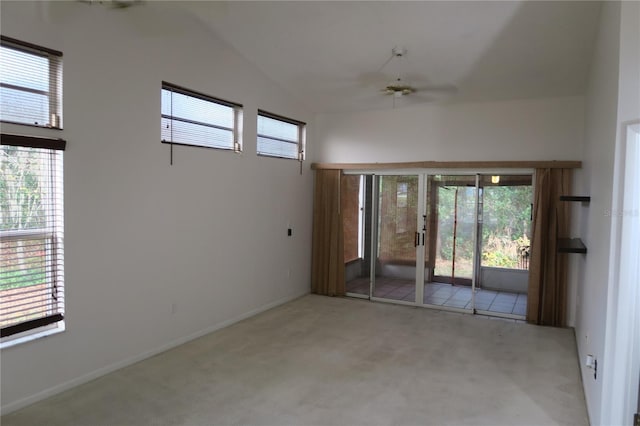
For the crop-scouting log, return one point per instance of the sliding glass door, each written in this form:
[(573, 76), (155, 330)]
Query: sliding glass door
[(452, 205), (452, 241), (356, 209), (504, 232), (396, 237)]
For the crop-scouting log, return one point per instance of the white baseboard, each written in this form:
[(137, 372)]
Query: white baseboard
[(39, 396)]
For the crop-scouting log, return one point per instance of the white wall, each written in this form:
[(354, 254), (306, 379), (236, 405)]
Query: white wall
[(629, 77), (208, 233), (597, 181), (613, 97), (621, 363), (537, 129)]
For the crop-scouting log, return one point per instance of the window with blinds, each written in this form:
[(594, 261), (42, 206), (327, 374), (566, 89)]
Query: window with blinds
[(30, 84), (192, 118), (31, 234), (280, 136)]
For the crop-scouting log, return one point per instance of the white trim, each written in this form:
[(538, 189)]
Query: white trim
[(394, 301), (500, 314), (356, 295), (445, 308), (621, 358), (428, 171), (421, 229), (361, 212), (477, 256), (16, 405), (31, 335)]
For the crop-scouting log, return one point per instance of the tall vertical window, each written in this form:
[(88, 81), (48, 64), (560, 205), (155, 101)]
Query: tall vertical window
[(192, 118), (402, 210), (30, 84), (280, 136), (31, 235)]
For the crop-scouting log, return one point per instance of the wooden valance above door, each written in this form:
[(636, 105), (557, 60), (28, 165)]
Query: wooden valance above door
[(451, 165)]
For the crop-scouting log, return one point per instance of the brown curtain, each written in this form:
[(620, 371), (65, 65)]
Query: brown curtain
[(547, 297), (327, 262)]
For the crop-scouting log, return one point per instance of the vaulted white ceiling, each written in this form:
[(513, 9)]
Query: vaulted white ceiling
[(329, 54)]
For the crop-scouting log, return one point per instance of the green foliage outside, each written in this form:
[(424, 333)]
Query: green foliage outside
[(21, 207), (506, 212), (17, 278)]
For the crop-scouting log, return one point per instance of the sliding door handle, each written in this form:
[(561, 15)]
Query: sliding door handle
[(416, 240), (423, 238)]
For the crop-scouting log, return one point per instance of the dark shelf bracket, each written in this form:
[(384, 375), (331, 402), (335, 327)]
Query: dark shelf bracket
[(584, 199), (571, 245)]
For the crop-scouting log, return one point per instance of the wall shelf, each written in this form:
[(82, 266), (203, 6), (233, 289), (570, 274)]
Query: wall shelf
[(581, 198), (571, 245)]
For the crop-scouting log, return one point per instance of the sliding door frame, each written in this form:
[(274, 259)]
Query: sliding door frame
[(419, 275), (422, 174)]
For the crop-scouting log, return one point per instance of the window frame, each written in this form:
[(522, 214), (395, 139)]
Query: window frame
[(54, 92), (301, 142), (237, 109), (52, 235)]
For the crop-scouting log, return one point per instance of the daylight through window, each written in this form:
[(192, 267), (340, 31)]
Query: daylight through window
[(30, 84), (280, 137), (191, 118), (31, 234)]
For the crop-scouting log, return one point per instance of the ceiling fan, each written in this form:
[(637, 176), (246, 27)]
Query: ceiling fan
[(145, 18), (114, 4), (400, 86)]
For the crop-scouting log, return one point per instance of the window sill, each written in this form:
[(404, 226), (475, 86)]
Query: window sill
[(31, 336)]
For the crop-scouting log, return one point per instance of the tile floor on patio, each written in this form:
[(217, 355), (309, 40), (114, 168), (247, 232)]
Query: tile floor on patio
[(441, 294)]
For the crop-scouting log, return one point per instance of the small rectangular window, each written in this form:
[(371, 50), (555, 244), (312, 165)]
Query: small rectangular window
[(30, 84), (191, 118), (31, 235), (280, 136)]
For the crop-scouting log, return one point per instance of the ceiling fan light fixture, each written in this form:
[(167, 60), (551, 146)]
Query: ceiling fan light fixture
[(398, 51), (399, 87), (114, 4)]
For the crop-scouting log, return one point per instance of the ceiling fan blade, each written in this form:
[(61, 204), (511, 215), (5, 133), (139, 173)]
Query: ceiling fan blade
[(113, 4), (372, 79), (420, 98), (123, 4), (437, 88), (57, 12)]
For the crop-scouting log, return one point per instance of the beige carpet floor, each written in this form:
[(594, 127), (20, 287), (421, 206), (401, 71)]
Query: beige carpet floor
[(332, 361)]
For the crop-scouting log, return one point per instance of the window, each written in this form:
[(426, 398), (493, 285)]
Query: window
[(30, 84), (31, 235), (402, 210), (280, 137), (191, 118)]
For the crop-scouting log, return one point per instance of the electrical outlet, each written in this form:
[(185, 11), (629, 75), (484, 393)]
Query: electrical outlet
[(589, 361)]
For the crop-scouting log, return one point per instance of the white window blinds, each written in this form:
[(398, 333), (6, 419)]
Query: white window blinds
[(191, 118), (30, 84), (31, 233), (280, 137)]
